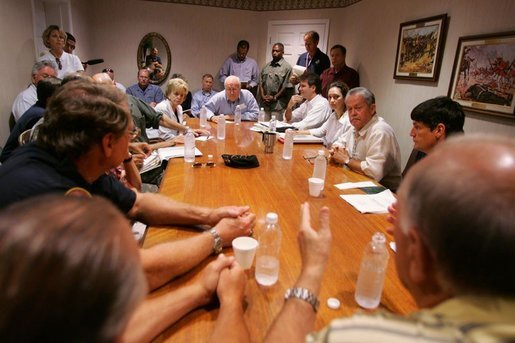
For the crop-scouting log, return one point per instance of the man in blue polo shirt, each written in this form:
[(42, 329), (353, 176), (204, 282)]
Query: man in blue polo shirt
[(143, 90)]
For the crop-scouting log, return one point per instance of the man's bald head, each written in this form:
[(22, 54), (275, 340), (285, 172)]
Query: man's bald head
[(103, 78), (460, 199), (232, 87)]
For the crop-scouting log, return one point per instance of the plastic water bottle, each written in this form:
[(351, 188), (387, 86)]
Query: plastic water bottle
[(220, 130), (203, 116), (267, 255), (237, 115), (261, 115), (320, 165), (273, 123), (288, 144), (189, 146), (371, 274)]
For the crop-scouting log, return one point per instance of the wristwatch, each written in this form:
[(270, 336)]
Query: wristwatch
[(347, 160), (128, 159), (217, 244), (303, 294)]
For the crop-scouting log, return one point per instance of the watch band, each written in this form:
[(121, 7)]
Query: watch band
[(303, 294), (217, 244), (128, 159)]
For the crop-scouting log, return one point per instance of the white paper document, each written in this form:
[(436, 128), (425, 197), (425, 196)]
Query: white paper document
[(351, 185), (278, 124), (370, 203), (303, 138), (174, 151), (203, 138), (298, 70), (155, 159)]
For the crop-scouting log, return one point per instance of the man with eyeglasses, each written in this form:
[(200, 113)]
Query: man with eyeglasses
[(41, 70), (224, 103)]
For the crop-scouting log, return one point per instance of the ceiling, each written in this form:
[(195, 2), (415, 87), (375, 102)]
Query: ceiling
[(266, 5)]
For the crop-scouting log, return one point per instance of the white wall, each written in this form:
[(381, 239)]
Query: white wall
[(377, 23), (200, 39)]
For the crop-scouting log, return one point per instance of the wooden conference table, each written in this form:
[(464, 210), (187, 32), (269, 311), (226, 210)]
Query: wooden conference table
[(279, 186)]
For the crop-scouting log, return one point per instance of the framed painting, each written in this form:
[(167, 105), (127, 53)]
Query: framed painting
[(483, 75), (420, 49)]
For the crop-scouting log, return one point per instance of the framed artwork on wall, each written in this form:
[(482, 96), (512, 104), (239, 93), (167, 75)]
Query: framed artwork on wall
[(483, 75), (420, 49)]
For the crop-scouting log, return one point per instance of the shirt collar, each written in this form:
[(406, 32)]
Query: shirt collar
[(365, 128)]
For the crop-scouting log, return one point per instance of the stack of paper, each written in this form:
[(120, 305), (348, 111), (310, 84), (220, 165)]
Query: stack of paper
[(302, 138), (151, 162), (155, 159), (174, 151), (370, 203)]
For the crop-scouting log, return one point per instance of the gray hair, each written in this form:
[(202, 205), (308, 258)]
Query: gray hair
[(462, 195), (369, 97), (231, 78), (41, 64)]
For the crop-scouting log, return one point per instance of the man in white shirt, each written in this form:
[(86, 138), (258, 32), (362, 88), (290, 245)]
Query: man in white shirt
[(315, 109), (41, 70), (370, 147)]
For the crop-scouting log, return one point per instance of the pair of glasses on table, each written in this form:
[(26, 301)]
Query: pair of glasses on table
[(311, 159), (203, 164)]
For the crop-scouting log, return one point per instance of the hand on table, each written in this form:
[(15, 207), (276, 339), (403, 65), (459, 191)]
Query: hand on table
[(219, 213), (231, 285), (314, 245), (230, 228), (391, 217), (210, 276), (339, 155), (140, 148), (215, 119), (201, 132), (138, 160)]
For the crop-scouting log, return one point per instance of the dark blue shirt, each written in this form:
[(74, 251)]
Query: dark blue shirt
[(26, 122), (317, 64), (32, 170)]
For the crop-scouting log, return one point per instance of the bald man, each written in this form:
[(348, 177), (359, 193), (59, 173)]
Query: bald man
[(224, 103), (455, 231)]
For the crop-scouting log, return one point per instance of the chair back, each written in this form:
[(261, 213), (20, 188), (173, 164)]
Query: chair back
[(24, 138)]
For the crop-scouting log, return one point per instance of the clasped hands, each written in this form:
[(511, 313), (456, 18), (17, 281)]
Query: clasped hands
[(225, 275), (339, 154)]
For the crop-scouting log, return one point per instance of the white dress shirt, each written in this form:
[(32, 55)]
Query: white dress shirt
[(311, 114), (165, 108), (332, 129), (24, 100), (376, 147)]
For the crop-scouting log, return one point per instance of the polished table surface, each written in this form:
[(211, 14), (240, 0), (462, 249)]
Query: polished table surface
[(280, 186)]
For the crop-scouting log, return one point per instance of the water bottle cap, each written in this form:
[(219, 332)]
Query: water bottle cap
[(378, 238), (271, 218), (321, 152)]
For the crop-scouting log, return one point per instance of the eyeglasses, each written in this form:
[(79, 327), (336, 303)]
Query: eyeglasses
[(200, 165), (107, 70), (311, 159), (59, 64)]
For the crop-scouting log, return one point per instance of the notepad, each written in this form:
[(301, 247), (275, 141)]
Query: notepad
[(156, 158), (370, 203)]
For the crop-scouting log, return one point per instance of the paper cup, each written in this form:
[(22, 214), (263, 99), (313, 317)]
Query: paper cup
[(315, 186), (244, 251)]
